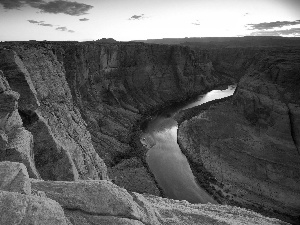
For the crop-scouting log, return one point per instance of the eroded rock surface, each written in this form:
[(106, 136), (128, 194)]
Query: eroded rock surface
[(71, 104), (14, 177), (22, 209), (111, 204), (16, 143), (61, 143), (250, 144)]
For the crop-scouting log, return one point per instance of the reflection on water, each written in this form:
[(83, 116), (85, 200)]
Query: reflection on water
[(165, 159)]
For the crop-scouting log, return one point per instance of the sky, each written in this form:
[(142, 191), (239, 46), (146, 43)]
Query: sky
[(125, 20)]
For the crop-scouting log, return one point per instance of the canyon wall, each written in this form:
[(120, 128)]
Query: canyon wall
[(70, 111), (61, 148), (249, 146), (83, 102)]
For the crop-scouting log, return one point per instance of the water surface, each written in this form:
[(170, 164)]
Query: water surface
[(164, 157)]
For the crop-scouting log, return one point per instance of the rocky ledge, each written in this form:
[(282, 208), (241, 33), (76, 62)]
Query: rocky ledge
[(30, 201), (245, 150)]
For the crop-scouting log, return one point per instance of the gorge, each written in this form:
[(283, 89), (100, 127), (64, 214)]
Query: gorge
[(70, 112)]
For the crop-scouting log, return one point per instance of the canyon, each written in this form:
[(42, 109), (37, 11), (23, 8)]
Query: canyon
[(70, 116)]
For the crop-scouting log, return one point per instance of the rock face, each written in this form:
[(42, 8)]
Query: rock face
[(250, 145), (15, 141), (114, 85), (101, 202), (61, 144), (16, 209), (14, 177), (97, 202), (17, 203), (66, 108), (75, 93)]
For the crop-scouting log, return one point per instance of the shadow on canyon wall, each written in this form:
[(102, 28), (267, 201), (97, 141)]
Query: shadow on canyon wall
[(80, 104)]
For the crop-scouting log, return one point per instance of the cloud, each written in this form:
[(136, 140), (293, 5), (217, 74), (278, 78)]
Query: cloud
[(46, 24), (286, 32), (56, 6), (41, 23), (59, 28), (69, 8), (11, 4), (84, 19), (272, 25), (197, 23), (34, 21), (137, 17), (62, 29)]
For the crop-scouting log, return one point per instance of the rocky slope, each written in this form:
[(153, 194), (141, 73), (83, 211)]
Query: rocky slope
[(30, 201), (249, 146)]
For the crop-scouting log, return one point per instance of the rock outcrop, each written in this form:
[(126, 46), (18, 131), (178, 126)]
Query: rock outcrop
[(250, 144), (15, 141), (61, 144), (24, 201), (14, 177), (97, 202)]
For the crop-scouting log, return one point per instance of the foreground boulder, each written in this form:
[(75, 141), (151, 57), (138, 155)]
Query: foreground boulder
[(101, 202), (22, 209)]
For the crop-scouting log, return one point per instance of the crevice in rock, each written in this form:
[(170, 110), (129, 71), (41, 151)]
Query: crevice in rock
[(102, 214), (293, 135), (28, 117)]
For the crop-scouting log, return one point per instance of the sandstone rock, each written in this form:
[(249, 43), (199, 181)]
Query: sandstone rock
[(3, 140), (133, 176), (70, 154), (182, 212), (251, 145), (52, 160), (80, 218), (93, 197), (3, 83), (113, 205), (14, 178), (17, 209), (19, 79), (20, 149)]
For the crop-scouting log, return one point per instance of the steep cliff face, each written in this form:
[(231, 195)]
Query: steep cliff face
[(67, 89), (61, 142), (70, 103), (114, 85), (250, 144)]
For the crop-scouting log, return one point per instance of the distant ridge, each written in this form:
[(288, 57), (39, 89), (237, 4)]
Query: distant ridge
[(205, 40)]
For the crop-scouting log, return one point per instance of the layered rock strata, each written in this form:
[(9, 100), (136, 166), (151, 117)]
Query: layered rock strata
[(79, 101), (250, 144), (61, 143), (112, 87)]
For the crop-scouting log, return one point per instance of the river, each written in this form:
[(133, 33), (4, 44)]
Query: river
[(164, 157)]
